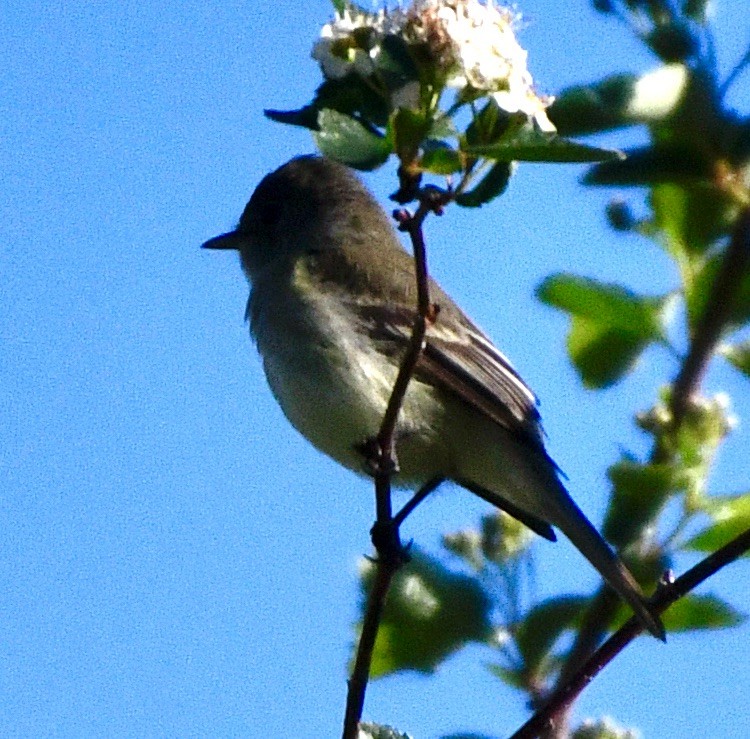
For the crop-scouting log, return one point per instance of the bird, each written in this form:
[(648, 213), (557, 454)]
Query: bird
[(331, 309)]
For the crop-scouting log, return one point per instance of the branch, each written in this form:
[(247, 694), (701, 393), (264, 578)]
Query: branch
[(718, 311), (719, 307), (561, 702), (385, 532)]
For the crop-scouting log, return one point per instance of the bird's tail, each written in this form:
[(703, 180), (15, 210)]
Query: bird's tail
[(574, 524), (561, 511)]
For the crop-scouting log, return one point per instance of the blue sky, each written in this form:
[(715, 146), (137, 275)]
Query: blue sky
[(175, 560)]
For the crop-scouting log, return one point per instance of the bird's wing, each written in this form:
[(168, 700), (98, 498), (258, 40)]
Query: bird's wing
[(461, 360)]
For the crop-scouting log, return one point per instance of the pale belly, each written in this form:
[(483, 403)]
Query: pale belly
[(338, 404)]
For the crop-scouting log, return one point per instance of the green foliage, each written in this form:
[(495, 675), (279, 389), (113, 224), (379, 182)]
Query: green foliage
[(701, 613), (730, 517), (540, 629), (488, 188), (344, 138), (531, 145), (382, 94), (738, 355), (604, 728), (430, 613), (639, 492), (610, 325)]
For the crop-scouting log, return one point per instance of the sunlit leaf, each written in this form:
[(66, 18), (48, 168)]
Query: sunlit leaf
[(602, 355), (369, 730), (441, 160), (610, 325), (515, 677), (731, 517), (620, 100), (701, 612), (738, 355), (606, 303)]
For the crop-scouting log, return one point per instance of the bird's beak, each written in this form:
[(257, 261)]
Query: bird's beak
[(230, 240)]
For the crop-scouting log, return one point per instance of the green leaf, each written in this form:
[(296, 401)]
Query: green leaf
[(639, 493), (430, 613), (738, 355), (442, 128), (340, 6), (695, 9), (610, 325), (620, 100), (603, 728), (493, 184), (441, 160), (542, 627), (651, 165), (532, 145), (602, 355), (701, 612), (515, 677), (587, 109), (347, 140), (351, 96), (673, 43), (731, 516), (489, 124), (688, 220), (609, 304)]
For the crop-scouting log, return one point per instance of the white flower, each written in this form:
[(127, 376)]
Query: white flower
[(351, 43), (472, 44), (475, 45)]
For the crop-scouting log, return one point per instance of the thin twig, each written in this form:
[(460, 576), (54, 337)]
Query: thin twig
[(355, 698), (385, 532), (560, 703)]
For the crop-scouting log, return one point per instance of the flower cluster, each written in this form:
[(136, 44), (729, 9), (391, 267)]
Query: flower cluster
[(472, 45)]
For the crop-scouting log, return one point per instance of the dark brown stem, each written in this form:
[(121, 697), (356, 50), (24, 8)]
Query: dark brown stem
[(385, 532), (719, 307), (357, 686), (546, 718)]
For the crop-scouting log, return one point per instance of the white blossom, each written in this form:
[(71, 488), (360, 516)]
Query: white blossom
[(472, 44)]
